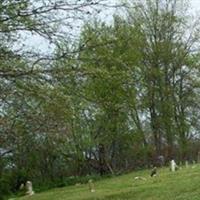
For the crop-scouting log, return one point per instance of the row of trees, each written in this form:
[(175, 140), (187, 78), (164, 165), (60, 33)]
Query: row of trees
[(116, 100)]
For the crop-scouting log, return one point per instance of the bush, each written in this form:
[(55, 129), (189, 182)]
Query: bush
[(5, 188), (10, 182)]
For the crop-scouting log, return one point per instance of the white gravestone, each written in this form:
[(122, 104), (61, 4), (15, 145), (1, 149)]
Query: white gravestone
[(29, 188), (173, 166)]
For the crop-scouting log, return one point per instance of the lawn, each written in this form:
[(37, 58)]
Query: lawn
[(181, 185)]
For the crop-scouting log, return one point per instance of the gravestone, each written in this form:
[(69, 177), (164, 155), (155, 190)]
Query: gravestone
[(91, 185), (194, 164), (21, 187), (153, 172), (173, 166), (186, 164), (29, 188)]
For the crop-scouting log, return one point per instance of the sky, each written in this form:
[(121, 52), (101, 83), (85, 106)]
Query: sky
[(195, 4), (40, 45)]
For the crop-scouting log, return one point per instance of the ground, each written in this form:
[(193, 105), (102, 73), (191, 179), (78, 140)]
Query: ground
[(181, 185)]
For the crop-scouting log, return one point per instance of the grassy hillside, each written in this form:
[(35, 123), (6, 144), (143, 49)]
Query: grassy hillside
[(181, 185)]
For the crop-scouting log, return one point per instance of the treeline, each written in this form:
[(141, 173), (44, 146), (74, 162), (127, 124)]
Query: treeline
[(123, 96)]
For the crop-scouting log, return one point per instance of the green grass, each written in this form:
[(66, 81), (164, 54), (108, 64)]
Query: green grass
[(181, 185)]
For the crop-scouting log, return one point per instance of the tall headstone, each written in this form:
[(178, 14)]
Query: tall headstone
[(91, 185), (29, 188)]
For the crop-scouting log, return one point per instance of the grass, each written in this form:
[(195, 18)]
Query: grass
[(181, 185)]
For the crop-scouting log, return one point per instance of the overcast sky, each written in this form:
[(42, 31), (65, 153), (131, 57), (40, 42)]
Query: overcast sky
[(195, 4), (39, 44)]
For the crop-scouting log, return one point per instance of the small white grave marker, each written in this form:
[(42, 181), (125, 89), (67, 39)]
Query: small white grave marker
[(91, 185)]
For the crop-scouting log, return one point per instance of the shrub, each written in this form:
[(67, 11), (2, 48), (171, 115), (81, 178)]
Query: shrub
[(5, 188)]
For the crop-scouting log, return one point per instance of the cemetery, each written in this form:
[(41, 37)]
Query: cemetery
[(137, 185), (99, 99)]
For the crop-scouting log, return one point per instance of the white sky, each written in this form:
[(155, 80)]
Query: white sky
[(195, 4), (41, 45)]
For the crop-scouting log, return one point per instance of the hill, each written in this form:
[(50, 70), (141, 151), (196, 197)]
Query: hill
[(181, 185)]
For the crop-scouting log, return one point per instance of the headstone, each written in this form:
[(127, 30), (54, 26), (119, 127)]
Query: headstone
[(29, 188), (186, 164), (173, 166), (194, 162), (21, 187), (153, 172), (91, 185)]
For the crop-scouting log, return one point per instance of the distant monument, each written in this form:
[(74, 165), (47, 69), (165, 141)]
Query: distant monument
[(29, 188), (91, 185)]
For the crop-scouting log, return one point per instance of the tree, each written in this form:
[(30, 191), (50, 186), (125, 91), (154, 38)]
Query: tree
[(166, 51), (29, 124)]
